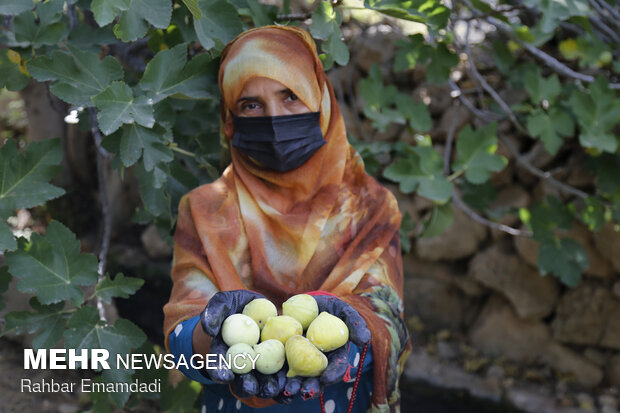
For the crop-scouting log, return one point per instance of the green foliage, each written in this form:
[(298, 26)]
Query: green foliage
[(442, 216), (116, 106), (326, 26), (134, 21), (420, 170), (597, 112), (52, 267), (13, 77), (23, 181), (14, 7), (167, 74), (476, 154), (30, 32), (565, 258), (385, 105), (439, 59), (431, 12), (47, 321), (159, 113), (556, 11), (5, 280), (77, 76), (105, 11), (120, 286), (219, 24)]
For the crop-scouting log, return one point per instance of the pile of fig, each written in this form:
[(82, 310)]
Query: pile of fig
[(259, 330)]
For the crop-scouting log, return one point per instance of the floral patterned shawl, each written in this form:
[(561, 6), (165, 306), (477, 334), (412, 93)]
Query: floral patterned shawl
[(326, 225)]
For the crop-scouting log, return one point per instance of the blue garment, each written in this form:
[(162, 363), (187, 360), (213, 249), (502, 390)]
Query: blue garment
[(217, 397)]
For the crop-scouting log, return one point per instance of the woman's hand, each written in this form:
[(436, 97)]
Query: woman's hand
[(338, 360), (222, 305)]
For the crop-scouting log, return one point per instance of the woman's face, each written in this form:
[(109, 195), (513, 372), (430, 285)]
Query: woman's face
[(262, 96)]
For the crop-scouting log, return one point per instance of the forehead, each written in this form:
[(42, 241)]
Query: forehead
[(261, 86)]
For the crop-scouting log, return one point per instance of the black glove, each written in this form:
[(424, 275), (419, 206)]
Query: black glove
[(222, 305), (358, 330), (338, 359)]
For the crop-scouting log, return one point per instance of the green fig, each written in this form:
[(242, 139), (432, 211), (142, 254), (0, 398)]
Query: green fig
[(304, 359), (239, 328), (281, 328), (260, 310), (302, 307), (327, 332), (271, 356), (240, 356)]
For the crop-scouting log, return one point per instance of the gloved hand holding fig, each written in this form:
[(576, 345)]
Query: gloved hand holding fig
[(285, 361)]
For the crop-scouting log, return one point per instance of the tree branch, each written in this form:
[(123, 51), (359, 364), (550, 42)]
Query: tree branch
[(540, 173), (449, 139), (480, 219), (520, 159), (105, 205), (548, 60), (600, 24), (601, 7), (485, 85), (614, 14), (294, 16)]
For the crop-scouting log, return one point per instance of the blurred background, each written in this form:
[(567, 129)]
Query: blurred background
[(495, 123)]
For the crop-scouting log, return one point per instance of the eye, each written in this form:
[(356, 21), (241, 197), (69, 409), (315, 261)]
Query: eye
[(250, 106), (293, 97)]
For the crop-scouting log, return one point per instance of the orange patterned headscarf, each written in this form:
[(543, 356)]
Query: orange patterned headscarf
[(325, 225)]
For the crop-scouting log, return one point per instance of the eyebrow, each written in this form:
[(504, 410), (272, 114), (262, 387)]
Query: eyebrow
[(255, 98)]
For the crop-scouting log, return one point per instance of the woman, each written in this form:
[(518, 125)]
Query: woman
[(294, 212)]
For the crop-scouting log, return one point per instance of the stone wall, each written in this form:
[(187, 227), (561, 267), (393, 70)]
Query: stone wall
[(483, 285)]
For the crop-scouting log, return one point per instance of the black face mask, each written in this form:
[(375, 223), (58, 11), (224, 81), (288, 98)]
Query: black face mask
[(283, 142)]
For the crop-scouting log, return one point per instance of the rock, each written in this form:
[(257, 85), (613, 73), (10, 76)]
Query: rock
[(613, 371), (532, 399), (599, 267), (586, 402), (436, 97), (607, 241), (537, 157), (578, 174), (505, 205), (513, 196), (154, 245), (462, 116), (504, 177), (608, 403), (431, 294), (421, 366), (532, 295), (616, 289), (447, 350), (374, 47), (422, 204), (583, 315), (544, 189), (588, 374), (389, 135), (498, 332), (595, 356), (528, 249), (611, 336), (460, 240)]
